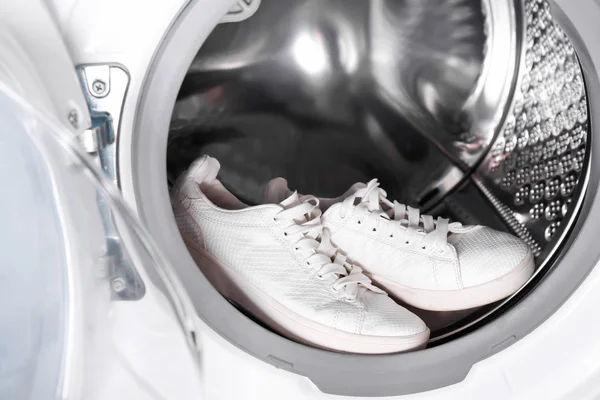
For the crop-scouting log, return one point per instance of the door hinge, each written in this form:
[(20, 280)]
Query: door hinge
[(105, 87)]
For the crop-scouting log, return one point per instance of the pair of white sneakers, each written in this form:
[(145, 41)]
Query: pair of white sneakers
[(287, 261)]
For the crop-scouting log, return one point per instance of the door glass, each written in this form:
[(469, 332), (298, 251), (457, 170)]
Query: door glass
[(79, 316)]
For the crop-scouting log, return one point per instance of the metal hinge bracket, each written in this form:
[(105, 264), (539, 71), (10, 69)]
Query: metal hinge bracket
[(105, 87)]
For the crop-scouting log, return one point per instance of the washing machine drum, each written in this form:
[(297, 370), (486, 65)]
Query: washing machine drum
[(479, 111)]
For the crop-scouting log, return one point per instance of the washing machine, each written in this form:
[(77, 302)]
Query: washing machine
[(480, 110)]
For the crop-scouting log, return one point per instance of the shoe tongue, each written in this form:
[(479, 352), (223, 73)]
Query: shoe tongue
[(325, 204), (291, 201), (277, 191), (354, 188)]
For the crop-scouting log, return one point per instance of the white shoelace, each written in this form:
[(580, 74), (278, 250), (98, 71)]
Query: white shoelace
[(399, 220), (314, 243)]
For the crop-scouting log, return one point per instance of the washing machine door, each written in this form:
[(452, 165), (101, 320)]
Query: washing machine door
[(79, 317)]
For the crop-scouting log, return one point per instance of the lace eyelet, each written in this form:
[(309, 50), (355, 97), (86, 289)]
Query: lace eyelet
[(285, 233), (359, 222), (308, 263), (296, 248), (407, 242), (424, 247), (320, 277), (374, 229), (391, 235), (275, 219)]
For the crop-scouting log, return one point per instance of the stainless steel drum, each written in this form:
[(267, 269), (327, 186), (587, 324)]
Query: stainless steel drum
[(473, 110)]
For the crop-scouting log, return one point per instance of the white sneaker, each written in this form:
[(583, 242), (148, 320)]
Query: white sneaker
[(430, 264), (276, 262)]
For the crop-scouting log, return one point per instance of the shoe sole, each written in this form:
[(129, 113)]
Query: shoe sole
[(461, 299), (290, 324)]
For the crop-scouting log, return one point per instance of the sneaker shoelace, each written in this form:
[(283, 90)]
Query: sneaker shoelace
[(314, 243), (400, 220)]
